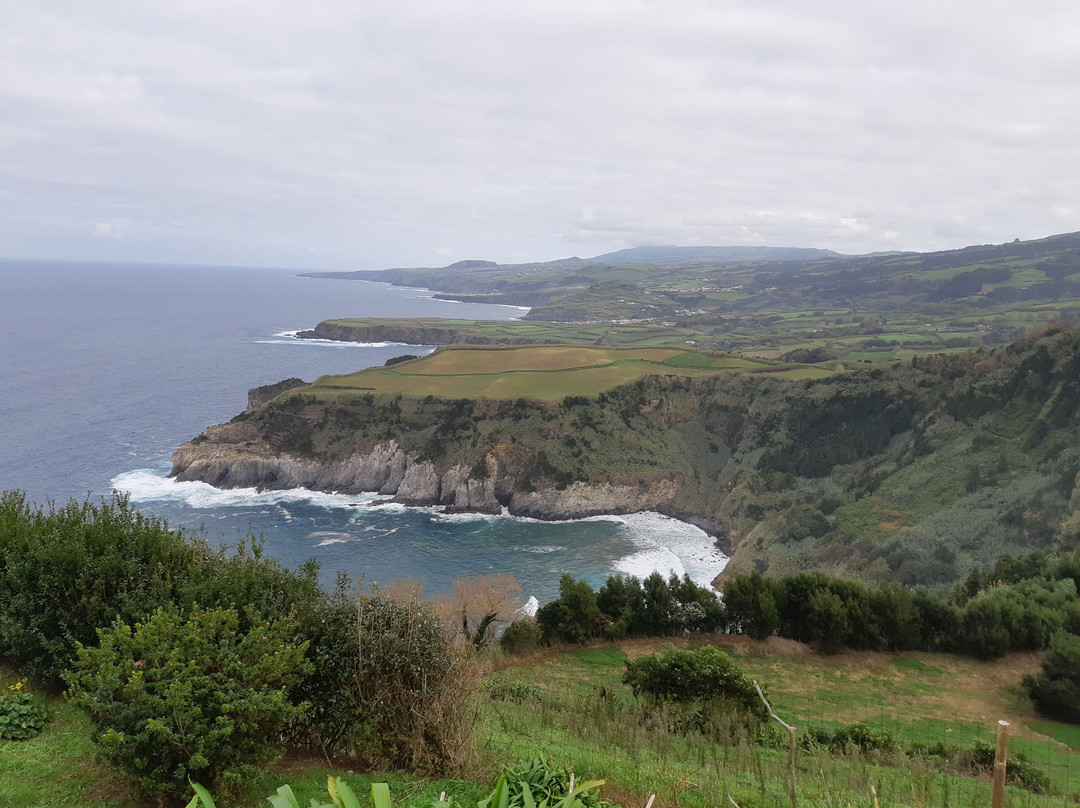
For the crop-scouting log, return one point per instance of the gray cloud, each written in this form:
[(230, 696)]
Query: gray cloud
[(363, 135)]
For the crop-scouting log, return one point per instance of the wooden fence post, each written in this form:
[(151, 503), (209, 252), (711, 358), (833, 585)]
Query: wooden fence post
[(792, 749), (999, 763)]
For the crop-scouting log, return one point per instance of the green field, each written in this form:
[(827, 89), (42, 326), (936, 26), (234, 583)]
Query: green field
[(549, 372), (584, 717)]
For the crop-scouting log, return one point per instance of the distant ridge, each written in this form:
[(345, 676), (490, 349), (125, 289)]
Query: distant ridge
[(634, 255)]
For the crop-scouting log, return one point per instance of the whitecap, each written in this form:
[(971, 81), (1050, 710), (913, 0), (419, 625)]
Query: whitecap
[(543, 549), (153, 485), (528, 609), (667, 546), (328, 537), (464, 517)]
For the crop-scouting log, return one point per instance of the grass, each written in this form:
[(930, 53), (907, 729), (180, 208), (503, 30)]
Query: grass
[(587, 718), (549, 372)]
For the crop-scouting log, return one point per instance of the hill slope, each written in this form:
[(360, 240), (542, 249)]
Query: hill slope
[(914, 472)]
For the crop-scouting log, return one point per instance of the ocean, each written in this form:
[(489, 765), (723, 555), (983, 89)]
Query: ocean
[(106, 368)]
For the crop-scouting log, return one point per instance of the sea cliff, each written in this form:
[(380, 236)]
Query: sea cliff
[(236, 455)]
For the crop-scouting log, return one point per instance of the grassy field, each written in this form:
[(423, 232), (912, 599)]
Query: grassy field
[(549, 372), (583, 716)]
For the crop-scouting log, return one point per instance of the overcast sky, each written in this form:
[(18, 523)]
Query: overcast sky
[(358, 135)]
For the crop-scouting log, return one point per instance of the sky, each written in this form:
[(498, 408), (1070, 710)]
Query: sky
[(351, 134)]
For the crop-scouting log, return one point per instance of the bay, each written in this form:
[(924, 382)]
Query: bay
[(107, 368)]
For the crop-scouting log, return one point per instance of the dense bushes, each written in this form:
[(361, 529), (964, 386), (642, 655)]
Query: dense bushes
[(68, 571), (1019, 605), (383, 680), (629, 607), (182, 696), (411, 685)]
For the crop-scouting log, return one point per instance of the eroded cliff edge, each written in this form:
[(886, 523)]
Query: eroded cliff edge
[(237, 455)]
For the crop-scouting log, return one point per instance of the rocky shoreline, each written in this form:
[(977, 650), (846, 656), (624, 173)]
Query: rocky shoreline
[(235, 455)]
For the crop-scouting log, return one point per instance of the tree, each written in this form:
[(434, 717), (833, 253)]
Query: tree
[(751, 606), (574, 617), (828, 621), (480, 605)]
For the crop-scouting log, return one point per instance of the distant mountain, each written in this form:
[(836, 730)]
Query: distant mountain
[(684, 255)]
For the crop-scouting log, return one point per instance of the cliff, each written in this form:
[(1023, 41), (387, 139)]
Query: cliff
[(415, 333), (235, 455), (916, 472)]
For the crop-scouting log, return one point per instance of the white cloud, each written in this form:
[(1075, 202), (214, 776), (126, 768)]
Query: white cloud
[(378, 134)]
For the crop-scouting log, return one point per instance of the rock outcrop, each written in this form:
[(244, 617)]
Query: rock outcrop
[(236, 456), (257, 396)]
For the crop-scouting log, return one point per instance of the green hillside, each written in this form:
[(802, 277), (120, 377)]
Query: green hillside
[(914, 471)]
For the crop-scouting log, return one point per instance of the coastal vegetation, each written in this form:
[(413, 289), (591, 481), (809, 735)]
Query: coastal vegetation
[(230, 659)]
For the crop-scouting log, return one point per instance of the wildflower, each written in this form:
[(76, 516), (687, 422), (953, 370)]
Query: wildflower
[(138, 664)]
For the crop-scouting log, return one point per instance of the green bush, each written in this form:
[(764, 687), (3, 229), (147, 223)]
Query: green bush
[(1056, 689), (690, 676), (23, 715), (68, 571), (521, 637), (412, 687), (1019, 770), (189, 696), (859, 735)]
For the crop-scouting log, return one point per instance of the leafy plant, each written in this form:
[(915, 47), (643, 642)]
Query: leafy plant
[(23, 714), (179, 696), (704, 675), (503, 688), (542, 784)]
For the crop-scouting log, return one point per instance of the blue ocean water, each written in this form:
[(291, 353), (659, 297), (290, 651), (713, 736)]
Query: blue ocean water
[(105, 369)]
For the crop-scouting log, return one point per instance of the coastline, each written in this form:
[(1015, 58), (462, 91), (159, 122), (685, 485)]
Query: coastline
[(659, 541)]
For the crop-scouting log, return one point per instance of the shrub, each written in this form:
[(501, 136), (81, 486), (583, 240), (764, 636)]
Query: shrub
[(1056, 689), (859, 735), (178, 697), (503, 688), (521, 637), (412, 686), (23, 715), (68, 571), (702, 675), (1020, 770)]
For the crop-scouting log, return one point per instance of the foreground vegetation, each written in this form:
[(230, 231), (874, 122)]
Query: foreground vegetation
[(201, 665)]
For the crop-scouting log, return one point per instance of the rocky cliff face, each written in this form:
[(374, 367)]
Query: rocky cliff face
[(236, 456)]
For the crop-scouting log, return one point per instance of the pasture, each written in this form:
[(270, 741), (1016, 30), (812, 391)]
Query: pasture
[(547, 372)]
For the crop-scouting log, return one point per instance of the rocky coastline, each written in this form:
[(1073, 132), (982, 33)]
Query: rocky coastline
[(236, 455)]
